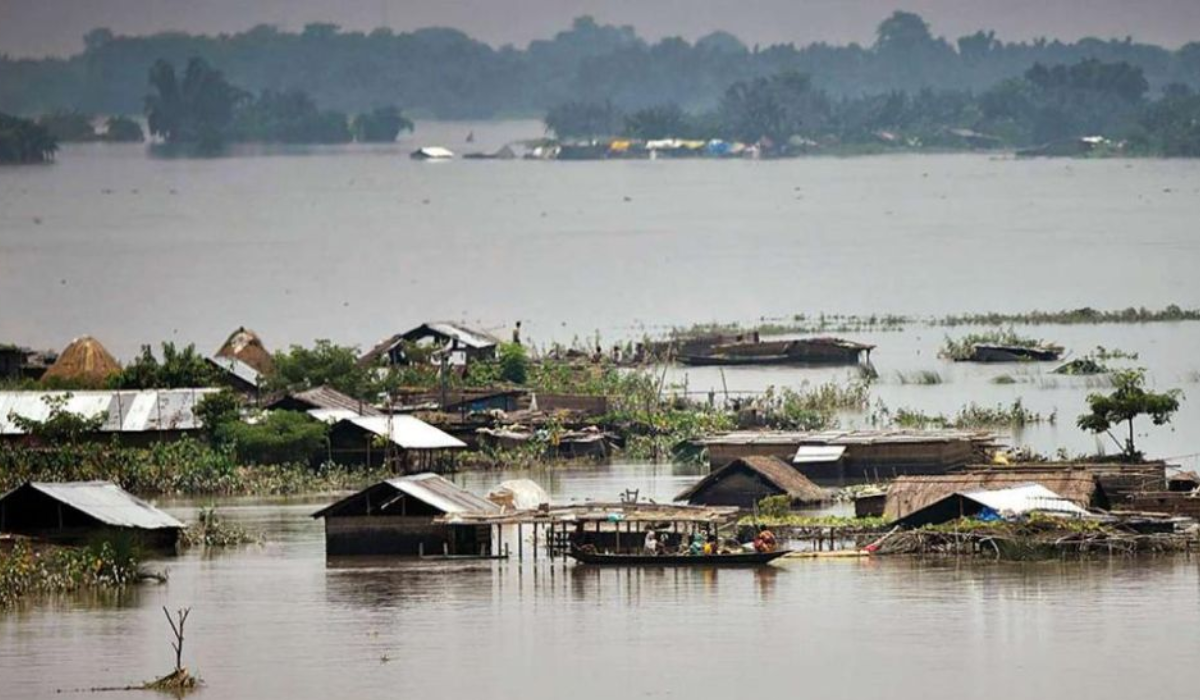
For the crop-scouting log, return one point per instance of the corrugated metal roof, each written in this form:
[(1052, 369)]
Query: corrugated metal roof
[(442, 494), (466, 336), (237, 368), (124, 411), (331, 415), (1024, 499), (408, 432), (328, 397), (815, 454), (106, 502)]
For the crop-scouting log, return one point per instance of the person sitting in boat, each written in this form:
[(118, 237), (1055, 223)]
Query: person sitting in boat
[(710, 545), (651, 544), (764, 541), (697, 546)]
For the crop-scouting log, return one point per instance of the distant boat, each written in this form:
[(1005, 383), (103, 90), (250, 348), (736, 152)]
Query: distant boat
[(471, 137), (432, 153)]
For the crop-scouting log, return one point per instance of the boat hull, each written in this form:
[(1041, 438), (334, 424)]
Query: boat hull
[(709, 560)]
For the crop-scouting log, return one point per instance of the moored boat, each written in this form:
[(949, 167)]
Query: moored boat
[(584, 556)]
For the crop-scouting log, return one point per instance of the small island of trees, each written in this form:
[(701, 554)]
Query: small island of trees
[(23, 141)]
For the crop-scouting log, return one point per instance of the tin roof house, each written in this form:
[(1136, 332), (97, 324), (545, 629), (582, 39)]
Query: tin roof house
[(82, 511), (406, 516), (460, 344)]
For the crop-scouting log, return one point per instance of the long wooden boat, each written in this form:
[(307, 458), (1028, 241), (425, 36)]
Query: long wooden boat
[(737, 559)]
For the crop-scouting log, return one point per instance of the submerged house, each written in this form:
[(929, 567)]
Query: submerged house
[(746, 481), (459, 344), (910, 494), (1008, 503), (404, 442), (82, 511), (840, 456), (984, 352), (405, 517), (805, 351)]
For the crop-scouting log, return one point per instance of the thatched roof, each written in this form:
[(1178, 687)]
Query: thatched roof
[(911, 493), (84, 361), (772, 470), (245, 345)]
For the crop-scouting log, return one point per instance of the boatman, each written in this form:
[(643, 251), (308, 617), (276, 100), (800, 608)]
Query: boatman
[(651, 543)]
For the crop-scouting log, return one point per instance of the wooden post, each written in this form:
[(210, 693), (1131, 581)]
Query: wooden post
[(535, 542), (520, 541), (617, 530)]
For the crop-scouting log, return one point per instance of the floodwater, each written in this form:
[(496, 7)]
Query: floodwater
[(354, 243), (277, 621)]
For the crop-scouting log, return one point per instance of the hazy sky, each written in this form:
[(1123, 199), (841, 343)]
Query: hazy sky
[(40, 27)]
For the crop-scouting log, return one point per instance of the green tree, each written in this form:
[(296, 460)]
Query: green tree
[(290, 116), (23, 141), (584, 120), (67, 126), (326, 364), (179, 369), (514, 363), (1129, 400), (60, 427), (658, 122), (217, 409), (197, 109), (120, 129), (777, 108), (277, 437), (381, 125)]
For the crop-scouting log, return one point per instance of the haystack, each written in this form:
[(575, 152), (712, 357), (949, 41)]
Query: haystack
[(84, 361), (245, 345)]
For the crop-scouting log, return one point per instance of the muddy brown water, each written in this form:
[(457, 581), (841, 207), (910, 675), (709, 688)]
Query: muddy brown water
[(277, 621), (355, 243)]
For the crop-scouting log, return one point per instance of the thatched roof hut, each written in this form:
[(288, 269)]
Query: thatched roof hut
[(746, 481), (84, 361), (245, 345), (912, 493)]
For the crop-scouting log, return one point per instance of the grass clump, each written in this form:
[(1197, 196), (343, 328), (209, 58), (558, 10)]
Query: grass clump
[(973, 416), (212, 530), (923, 377)]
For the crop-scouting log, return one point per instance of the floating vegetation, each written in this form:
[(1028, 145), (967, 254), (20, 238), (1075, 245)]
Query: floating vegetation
[(922, 377), (1103, 353), (1085, 315), (799, 324), (212, 530), (811, 408), (964, 348), (1004, 379), (1082, 367), (973, 416), (27, 570)]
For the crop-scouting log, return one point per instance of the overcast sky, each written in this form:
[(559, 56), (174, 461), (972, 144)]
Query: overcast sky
[(41, 27)]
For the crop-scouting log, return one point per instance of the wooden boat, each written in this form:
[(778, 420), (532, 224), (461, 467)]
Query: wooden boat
[(736, 559)]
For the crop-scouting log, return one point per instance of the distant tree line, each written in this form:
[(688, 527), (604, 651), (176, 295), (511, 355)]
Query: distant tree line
[(1046, 104), (445, 73), (201, 107)]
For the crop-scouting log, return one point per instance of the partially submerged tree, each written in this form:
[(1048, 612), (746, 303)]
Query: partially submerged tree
[(1129, 400), (381, 125)]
